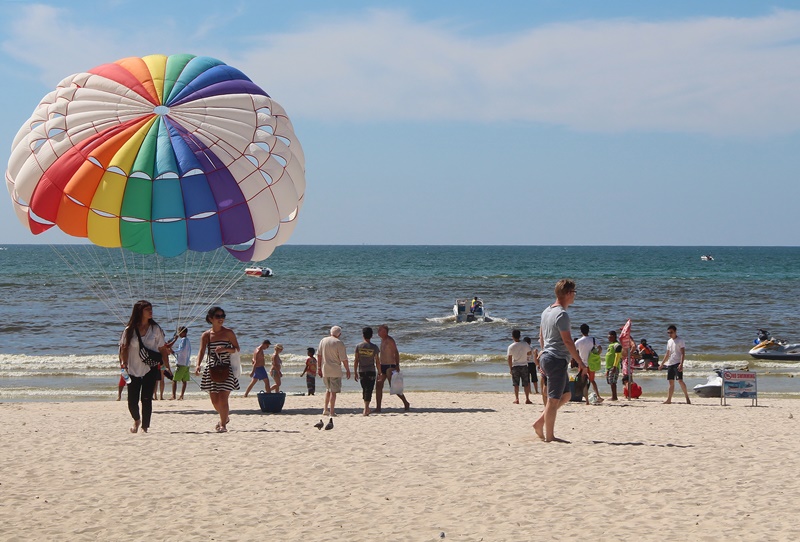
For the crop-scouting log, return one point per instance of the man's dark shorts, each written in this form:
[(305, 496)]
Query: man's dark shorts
[(673, 373), (555, 369), (532, 371), (520, 372), (385, 368)]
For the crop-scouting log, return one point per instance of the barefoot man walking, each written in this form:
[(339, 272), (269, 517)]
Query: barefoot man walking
[(557, 348), (676, 354), (390, 362)]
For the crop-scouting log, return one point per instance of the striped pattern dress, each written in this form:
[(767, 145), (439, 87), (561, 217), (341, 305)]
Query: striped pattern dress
[(214, 359)]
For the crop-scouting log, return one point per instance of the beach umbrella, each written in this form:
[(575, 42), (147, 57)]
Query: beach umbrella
[(160, 155)]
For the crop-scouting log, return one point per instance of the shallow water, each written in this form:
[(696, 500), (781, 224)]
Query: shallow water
[(58, 341)]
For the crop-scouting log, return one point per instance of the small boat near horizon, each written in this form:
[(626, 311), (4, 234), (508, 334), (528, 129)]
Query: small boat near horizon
[(707, 258), (259, 272)]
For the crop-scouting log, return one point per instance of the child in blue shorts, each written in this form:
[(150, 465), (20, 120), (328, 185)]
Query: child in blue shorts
[(259, 372)]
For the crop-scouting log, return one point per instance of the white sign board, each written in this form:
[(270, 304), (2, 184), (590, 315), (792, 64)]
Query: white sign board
[(739, 385)]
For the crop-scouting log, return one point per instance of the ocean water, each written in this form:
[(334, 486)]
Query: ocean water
[(65, 308)]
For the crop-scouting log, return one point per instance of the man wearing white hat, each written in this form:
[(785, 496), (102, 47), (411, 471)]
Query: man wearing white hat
[(332, 355)]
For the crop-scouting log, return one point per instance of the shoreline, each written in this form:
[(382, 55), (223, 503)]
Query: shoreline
[(463, 463)]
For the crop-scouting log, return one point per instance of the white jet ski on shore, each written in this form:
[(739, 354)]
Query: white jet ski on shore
[(713, 387)]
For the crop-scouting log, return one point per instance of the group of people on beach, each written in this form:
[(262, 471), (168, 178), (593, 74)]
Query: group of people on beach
[(559, 351), (144, 358)]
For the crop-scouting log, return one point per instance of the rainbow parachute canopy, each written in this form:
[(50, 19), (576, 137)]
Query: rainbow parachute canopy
[(160, 154)]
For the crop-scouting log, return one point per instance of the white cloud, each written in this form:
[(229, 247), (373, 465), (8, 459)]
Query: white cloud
[(712, 75), (721, 76)]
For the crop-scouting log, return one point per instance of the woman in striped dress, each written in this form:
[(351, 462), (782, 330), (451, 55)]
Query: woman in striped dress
[(218, 343)]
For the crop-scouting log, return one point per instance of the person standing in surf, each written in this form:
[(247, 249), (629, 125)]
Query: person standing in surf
[(142, 332), (557, 348)]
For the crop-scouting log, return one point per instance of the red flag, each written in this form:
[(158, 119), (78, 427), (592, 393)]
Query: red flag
[(625, 336)]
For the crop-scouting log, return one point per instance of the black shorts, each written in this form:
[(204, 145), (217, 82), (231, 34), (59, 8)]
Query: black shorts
[(673, 373), (532, 370), (385, 368)]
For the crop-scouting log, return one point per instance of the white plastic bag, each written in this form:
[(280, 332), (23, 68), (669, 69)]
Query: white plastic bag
[(396, 385), (236, 364)]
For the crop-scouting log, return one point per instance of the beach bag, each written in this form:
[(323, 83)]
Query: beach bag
[(396, 385), (594, 362), (219, 373), (236, 364), (151, 358), (581, 383)]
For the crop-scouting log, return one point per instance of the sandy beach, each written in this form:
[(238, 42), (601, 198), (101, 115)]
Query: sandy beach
[(466, 465)]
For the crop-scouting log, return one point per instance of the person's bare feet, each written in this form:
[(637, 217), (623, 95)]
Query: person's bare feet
[(538, 428), (516, 402), (407, 406), (135, 428), (667, 403), (144, 429), (688, 401), (367, 412), (528, 402), (560, 440)]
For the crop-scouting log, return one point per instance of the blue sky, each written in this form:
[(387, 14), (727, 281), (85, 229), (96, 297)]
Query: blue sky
[(452, 122)]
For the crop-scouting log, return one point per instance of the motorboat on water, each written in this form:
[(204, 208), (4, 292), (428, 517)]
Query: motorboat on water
[(470, 311), (707, 258), (713, 387), (258, 272), (767, 347)]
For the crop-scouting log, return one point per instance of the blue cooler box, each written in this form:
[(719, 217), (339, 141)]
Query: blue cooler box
[(271, 402)]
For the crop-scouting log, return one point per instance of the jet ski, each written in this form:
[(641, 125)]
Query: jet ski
[(713, 387), (767, 347)]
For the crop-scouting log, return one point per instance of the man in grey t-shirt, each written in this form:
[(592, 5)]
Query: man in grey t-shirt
[(557, 348)]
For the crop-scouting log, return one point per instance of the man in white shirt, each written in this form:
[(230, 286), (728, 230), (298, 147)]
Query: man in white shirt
[(676, 353), (332, 355), (518, 353), (589, 349)]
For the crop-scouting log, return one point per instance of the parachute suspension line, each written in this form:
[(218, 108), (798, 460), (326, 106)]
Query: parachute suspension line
[(212, 277), (88, 276), (203, 283), (161, 272), (187, 287)]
